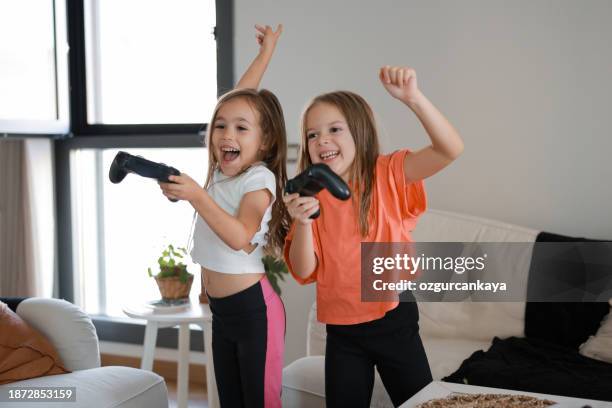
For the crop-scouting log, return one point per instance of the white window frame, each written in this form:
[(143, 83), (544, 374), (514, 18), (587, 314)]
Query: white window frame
[(61, 124)]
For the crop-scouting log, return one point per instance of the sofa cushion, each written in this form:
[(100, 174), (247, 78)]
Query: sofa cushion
[(124, 387), (67, 327), (304, 381), (444, 226), (24, 352), (446, 354)]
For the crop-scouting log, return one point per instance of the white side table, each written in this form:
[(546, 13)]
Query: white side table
[(197, 314)]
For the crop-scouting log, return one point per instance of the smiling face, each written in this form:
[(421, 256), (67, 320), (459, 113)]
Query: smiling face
[(329, 139), (236, 140)]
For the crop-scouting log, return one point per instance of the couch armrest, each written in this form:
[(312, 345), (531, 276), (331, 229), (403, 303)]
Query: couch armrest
[(317, 334), (67, 327)]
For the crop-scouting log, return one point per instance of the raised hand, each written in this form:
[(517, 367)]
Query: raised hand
[(267, 38), (400, 82)]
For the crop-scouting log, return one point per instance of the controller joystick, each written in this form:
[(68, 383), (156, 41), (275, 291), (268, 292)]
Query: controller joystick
[(314, 179), (125, 163)]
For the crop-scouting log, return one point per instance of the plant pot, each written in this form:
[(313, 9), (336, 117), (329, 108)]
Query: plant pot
[(172, 288)]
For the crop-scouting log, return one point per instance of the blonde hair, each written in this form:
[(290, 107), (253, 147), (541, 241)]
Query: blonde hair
[(272, 126), (360, 120)]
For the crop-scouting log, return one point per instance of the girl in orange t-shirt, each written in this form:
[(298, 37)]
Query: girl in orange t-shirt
[(338, 129)]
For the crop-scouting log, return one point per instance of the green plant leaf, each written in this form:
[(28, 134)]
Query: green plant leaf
[(274, 284), (165, 274), (170, 265), (275, 270)]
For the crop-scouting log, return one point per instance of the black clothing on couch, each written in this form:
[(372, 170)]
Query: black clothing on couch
[(535, 365), (12, 302)]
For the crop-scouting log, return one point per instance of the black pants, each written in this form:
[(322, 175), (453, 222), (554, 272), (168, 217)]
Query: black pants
[(391, 343), (248, 337)]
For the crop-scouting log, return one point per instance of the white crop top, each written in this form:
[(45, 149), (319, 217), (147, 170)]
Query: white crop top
[(208, 249)]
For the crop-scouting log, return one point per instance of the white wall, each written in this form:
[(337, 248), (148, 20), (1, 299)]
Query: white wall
[(526, 83)]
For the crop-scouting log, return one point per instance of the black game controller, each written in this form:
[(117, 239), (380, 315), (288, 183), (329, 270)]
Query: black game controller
[(314, 179), (125, 163)]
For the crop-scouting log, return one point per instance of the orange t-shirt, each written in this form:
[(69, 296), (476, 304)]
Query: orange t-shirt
[(396, 206)]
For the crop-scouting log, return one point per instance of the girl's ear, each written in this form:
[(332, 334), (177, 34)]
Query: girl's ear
[(263, 151), (263, 146)]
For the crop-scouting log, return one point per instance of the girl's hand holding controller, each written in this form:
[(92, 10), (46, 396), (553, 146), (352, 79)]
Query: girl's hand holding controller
[(301, 208), (181, 187), (401, 83)]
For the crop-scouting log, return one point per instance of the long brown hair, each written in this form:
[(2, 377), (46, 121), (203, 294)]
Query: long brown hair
[(274, 134), (360, 120)]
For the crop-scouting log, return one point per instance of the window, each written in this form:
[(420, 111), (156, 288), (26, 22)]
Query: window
[(144, 79), (150, 61), (33, 67), (119, 230)]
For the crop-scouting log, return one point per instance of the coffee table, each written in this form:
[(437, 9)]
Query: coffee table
[(440, 389)]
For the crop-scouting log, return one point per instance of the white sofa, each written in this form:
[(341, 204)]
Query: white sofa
[(74, 336), (450, 331)]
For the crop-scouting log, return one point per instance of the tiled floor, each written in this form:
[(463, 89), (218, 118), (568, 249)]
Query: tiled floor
[(197, 395)]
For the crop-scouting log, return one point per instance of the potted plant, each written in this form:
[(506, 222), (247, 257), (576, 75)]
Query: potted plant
[(173, 280)]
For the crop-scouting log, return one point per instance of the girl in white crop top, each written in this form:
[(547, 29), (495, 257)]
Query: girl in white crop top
[(241, 217), (209, 249)]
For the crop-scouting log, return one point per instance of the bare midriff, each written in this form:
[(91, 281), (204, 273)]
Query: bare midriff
[(218, 284)]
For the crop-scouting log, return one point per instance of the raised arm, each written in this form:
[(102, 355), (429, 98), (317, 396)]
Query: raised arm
[(267, 39), (446, 144)]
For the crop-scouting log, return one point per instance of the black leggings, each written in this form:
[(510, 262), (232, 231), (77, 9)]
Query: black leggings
[(391, 343), (248, 338)]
